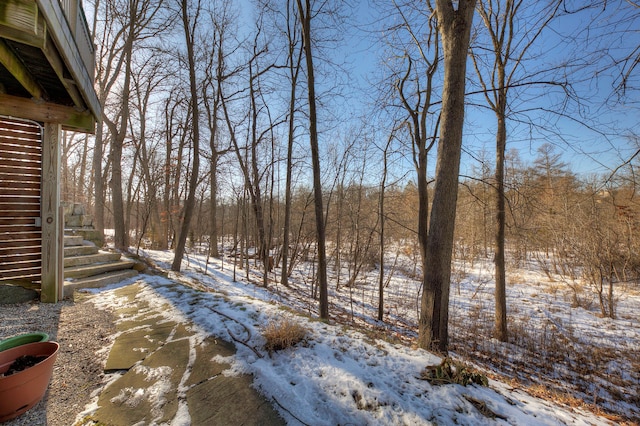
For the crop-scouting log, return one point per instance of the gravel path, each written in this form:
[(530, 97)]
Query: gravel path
[(84, 334)]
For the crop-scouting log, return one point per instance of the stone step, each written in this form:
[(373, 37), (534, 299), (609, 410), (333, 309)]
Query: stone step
[(97, 281), (78, 221), (84, 250), (91, 270), (98, 258), (87, 234), (73, 240)]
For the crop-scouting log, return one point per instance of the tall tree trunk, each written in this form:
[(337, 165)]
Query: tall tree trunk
[(284, 278), (215, 158), (213, 143), (418, 129), (499, 262), (66, 191), (98, 182), (132, 194), (189, 34), (381, 219), (251, 181), (305, 18), (254, 183), (455, 29), (119, 132), (165, 215), (294, 69), (502, 21), (83, 170), (151, 195), (120, 235), (213, 245)]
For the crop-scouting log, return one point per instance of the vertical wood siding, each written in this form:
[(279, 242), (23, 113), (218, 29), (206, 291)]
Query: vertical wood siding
[(20, 182)]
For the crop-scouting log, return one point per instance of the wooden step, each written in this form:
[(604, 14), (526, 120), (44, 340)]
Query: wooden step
[(90, 270), (97, 258), (97, 281)]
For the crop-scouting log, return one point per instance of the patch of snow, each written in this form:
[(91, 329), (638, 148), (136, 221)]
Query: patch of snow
[(340, 375)]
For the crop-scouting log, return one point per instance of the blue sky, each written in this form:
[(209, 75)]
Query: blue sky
[(594, 131), (597, 146)]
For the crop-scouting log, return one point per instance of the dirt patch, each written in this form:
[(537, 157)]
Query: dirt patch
[(84, 334)]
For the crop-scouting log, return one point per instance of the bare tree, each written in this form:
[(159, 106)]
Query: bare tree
[(216, 74), (110, 59), (305, 14), (294, 64), (175, 116), (381, 221), (249, 164), (630, 62), (139, 21), (190, 16), (363, 223), (454, 25), (512, 29), (147, 81), (73, 160), (415, 88)]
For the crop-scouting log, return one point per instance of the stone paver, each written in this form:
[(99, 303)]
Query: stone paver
[(136, 345), (203, 371), (163, 368), (229, 401)]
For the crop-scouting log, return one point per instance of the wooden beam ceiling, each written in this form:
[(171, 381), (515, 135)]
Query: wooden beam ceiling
[(15, 66), (42, 24)]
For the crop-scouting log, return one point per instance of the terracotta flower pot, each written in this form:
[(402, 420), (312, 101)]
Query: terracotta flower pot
[(22, 390), (23, 339)]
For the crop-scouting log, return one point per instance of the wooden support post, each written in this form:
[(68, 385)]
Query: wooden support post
[(52, 265), (60, 241)]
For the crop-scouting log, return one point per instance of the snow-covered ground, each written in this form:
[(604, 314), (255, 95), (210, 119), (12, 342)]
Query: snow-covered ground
[(355, 370)]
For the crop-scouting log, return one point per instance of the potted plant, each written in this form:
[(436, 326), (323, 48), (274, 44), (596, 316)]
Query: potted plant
[(25, 371), (23, 339)]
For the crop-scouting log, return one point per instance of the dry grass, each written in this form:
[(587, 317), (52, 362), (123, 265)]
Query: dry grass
[(453, 372), (543, 391), (545, 359), (283, 334)]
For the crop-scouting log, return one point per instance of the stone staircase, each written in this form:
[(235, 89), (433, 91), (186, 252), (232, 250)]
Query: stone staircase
[(86, 266)]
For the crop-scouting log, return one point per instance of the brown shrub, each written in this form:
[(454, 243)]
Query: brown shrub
[(282, 334)]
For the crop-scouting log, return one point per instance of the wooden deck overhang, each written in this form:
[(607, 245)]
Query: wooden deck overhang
[(46, 85), (47, 63)]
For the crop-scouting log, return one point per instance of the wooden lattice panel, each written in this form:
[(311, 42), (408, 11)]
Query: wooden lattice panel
[(20, 180)]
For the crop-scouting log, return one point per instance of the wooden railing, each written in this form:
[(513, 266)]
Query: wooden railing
[(81, 33)]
